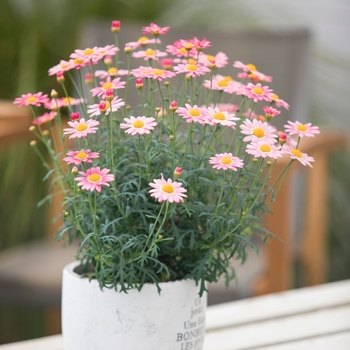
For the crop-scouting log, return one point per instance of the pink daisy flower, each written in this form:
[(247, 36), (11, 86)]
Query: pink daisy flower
[(154, 29), (116, 103), (191, 69), (200, 44), (192, 113), (45, 118), (255, 76), (57, 103), (245, 67), (149, 54), (142, 72), (89, 54), (221, 83), (94, 178), (81, 128), (166, 63), (271, 112), (303, 158), (167, 190), (257, 130), (220, 59), (31, 100), (228, 107), (218, 116), (226, 161), (103, 74), (142, 41), (297, 128), (62, 67), (263, 149), (108, 50), (108, 84), (256, 92), (76, 157), (178, 50), (278, 102), (160, 74), (140, 125)]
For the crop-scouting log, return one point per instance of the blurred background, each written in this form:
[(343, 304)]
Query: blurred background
[(36, 34)]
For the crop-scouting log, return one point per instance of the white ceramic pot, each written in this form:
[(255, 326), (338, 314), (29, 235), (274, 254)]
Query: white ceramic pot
[(104, 320)]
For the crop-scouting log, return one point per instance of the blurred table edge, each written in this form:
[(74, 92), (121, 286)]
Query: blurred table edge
[(317, 316)]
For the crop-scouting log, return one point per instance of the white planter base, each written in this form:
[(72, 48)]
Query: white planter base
[(104, 320)]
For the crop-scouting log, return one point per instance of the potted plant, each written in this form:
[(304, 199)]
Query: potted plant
[(163, 194)]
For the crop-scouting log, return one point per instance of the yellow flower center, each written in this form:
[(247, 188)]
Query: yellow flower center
[(150, 52), (258, 132), (88, 52), (191, 67), (78, 61), (191, 61), (275, 97), (68, 100), (112, 71), (301, 127), (158, 72), (64, 65), (146, 71), (210, 58), (182, 50), (81, 155), (94, 177), (296, 152), (31, 99), (251, 66), (258, 91), (265, 148), (219, 116), (188, 46), (228, 78), (81, 127), (138, 124), (222, 82), (194, 112), (226, 160), (168, 188), (253, 76), (142, 39), (107, 86)]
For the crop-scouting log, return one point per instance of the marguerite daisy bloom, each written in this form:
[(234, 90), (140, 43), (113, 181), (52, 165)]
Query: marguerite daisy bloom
[(256, 92), (297, 128), (160, 74), (31, 100), (108, 84), (62, 67), (179, 51), (226, 161), (263, 149), (295, 153), (221, 83), (81, 128), (278, 102), (191, 69), (142, 41), (200, 44), (245, 67), (218, 116), (142, 72), (116, 104), (149, 54), (167, 190), (45, 118), (258, 130), (139, 125), (154, 29), (192, 113), (220, 59), (271, 112), (94, 178), (76, 157), (90, 54)]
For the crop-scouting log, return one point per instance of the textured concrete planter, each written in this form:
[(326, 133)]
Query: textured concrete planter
[(104, 320)]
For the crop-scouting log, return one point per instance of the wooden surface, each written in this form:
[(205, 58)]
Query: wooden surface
[(316, 318)]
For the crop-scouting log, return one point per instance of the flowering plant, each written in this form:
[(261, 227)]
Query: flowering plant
[(174, 186)]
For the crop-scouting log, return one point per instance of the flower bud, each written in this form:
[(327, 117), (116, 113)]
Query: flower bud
[(282, 138), (89, 78), (54, 93), (171, 137), (268, 163), (173, 106), (66, 214), (60, 77), (32, 143), (212, 64), (115, 27), (255, 160), (127, 49), (108, 60), (139, 84), (109, 94), (128, 107), (158, 109), (75, 170), (103, 107), (46, 132), (32, 128), (178, 172), (166, 83), (75, 116)]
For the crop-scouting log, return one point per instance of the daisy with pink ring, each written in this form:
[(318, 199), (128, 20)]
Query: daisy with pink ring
[(76, 157), (45, 118), (167, 190), (279, 102), (81, 128), (94, 178), (248, 68), (263, 149), (31, 100), (149, 54), (191, 69), (297, 128), (218, 116), (62, 67), (139, 125), (221, 83), (115, 105), (155, 30), (257, 130), (142, 72), (256, 92), (108, 84), (160, 74), (296, 154), (200, 44), (142, 41), (226, 161), (220, 59), (192, 114), (270, 112)]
